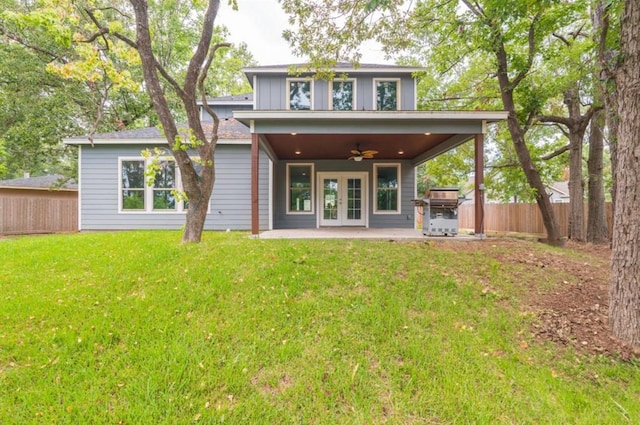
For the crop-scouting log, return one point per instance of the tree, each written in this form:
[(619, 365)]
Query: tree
[(607, 38), (172, 45), (624, 313)]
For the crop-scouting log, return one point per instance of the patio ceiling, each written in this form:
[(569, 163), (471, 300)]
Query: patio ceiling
[(339, 146), (412, 135)]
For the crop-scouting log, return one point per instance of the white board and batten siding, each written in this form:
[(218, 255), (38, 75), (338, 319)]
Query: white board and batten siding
[(230, 205)]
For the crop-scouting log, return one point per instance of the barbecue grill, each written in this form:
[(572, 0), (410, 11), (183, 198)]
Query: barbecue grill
[(439, 211)]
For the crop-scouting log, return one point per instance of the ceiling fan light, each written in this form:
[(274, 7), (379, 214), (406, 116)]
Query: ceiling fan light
[(357, 158)]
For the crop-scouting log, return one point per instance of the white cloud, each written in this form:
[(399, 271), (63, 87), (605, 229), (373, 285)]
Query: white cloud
[(260, 23)]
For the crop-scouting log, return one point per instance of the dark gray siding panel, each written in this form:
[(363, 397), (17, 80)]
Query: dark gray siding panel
[(230, 203), (405, 219), (407, 96), (271, 92), (321, 95)]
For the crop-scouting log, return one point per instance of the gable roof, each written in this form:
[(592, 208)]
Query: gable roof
[(229, 130), (41, 182)]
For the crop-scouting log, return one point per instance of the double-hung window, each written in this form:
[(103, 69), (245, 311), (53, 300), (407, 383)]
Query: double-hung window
[(387, 94), (137, 196), (164, 186), (299, 94), (387, 188), (300, 188), (343, 95), (132, 185)]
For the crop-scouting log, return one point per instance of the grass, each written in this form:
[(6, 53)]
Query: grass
[(134, 328)]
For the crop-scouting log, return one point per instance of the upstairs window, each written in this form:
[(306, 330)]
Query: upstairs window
[(342, 95), (387, 94), (300, 94), (387, 181)]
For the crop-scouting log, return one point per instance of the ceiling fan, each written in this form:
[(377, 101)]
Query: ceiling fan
[(359, 155)]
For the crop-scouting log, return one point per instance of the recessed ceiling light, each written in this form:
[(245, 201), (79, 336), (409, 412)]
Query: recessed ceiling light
[(293, 134), (427, 134), (297, 152), (401, 152)]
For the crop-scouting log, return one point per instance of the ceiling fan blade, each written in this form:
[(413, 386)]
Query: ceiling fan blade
[(367, 156), (369, 152), (352, 157), (356, 152)]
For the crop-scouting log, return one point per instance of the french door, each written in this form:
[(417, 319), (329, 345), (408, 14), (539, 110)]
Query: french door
[(342, 199)]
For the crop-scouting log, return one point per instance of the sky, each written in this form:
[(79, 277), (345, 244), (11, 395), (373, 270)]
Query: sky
[(260, 24)]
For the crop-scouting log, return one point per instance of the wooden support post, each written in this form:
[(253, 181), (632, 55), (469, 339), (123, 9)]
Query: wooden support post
[(479, 185), (255, 183)]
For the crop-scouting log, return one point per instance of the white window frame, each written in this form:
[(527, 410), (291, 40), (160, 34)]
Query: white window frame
[(347, 80), (398, 167), (398, 92), (148, 190), (288, 93), (312, 188)]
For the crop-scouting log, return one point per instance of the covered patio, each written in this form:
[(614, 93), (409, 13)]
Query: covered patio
[(409, 136)]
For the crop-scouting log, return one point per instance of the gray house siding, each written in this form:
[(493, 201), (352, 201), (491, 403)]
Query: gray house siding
[(405, 219), (230, 204), (224, 111), (271, 91)]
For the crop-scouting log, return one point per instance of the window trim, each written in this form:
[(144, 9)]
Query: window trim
[(398, 209), (398, 92), (148, 190), (288, 93), (355, 93), (288, 188)]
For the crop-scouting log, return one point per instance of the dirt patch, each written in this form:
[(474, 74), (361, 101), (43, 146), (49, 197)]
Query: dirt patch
[(574, 310)]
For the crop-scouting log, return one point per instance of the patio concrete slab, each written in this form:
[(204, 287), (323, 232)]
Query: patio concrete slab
[(356, 233)]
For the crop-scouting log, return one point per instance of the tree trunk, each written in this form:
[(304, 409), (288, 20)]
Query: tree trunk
[(576, 183), (196, 217), (576, 189), (549, 220), (597, 228), (624, 311)]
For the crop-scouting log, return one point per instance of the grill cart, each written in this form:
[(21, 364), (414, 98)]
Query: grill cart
[(439, 211)]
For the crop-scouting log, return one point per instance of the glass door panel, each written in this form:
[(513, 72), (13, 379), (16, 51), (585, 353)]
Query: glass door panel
[(330, 199), (343, 202)]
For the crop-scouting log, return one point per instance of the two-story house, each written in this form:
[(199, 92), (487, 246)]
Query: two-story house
[(298, 152)]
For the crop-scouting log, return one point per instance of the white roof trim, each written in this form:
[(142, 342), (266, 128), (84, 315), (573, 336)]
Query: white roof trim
[(372, 115), (76, 142)]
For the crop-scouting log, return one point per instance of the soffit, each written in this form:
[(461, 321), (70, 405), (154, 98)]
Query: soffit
[(339, 146)]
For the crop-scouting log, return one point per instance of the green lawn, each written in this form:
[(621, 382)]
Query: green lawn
[(134, 328)]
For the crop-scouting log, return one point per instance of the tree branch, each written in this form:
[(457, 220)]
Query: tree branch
[(201, 78), (555, 119), (532, 51), (33, 47), (555, 153)]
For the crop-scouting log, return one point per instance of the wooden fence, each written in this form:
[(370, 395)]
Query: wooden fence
[(519, 218), (28, 211)]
